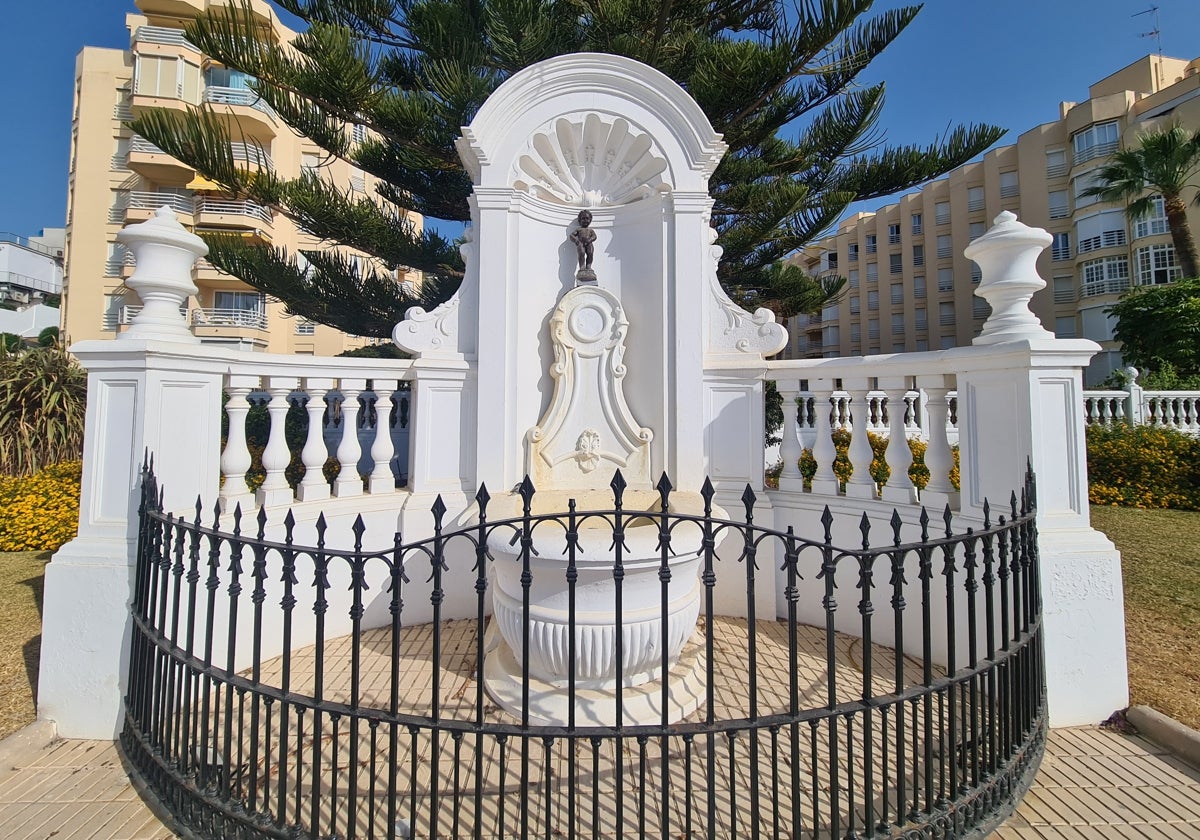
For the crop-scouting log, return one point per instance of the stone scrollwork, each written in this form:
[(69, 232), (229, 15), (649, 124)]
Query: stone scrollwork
[(733, 328), (591, 161), (429, 332), (587, 450)]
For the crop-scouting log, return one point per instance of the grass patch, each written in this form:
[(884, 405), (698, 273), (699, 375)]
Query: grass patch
[(1160, 561), (20, 636)]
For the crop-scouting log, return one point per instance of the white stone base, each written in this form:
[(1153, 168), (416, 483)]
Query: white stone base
[(549, 703)]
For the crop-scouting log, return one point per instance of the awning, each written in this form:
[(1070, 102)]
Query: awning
[(202, 183)]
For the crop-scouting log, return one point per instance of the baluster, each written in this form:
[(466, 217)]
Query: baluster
[(348, 481), (235, 459), (1102, 417), (939, 492), (824, 481), (314, 485), (1118, 410), (952, 417), (899, 487), (1088, 410), (875, 422), (276, 457), (790, 449), (861, 485), (1192, 423), (912, 414), (382, 480), (841, 412)]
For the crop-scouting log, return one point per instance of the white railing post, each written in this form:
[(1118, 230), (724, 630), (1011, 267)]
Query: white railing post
[(1135, 407), (276, 456), (381, 479), (1021, 400), (825, 480), (899, 487), (348, 481), (314, 485), (153, 392), (939, 458), (790, 449), (861, 484), (235, 459)]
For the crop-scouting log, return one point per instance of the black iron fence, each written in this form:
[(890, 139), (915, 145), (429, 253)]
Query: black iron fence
[(250, 718)]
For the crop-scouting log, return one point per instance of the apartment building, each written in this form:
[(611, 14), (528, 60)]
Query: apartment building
[(911, 288), (118, 178)]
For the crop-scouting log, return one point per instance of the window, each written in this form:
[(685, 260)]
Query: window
[(947, 341), (855, 332), (917, 226), (358, 133), (852, 278), (873, 329), (919, 286), (942, 212), (922, 345), (974, 198), (120, 158), (871, 243), (897, 290), (852, 252), (918, 255), (1109, 275), (115, 261), (872, 300), (920, 319), (1080, 184), (830, 336), (1056, 163), (893, 234), (945, 279), (976, 274), (898, 346), (1064, 327), (1064, 289), (976, 230), (855, 305), (1094, 141), (1060, 206), (980, 309), (897, 323), (872, 272), (1153, 224), (945, 248), (1060, 249), (1105, 229), (239, 301), (1156, 265), (310, 163), (946, 313), (306, 328), (830, 312), (895, 263), (358, 183), (1009, 186)]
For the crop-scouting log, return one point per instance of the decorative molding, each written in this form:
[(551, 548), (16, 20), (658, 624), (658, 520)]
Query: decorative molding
[(732, 329), (585, 161)]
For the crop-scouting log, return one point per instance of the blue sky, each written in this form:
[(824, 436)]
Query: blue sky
[(961, 61)]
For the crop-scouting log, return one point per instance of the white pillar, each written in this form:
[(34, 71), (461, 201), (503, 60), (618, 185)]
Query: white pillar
[(861, 485), (348, 481), (235, 459), (939, 459), (381, 479), (899, 487), (314, 486), (790, 449), (824, 481), (276, 456)]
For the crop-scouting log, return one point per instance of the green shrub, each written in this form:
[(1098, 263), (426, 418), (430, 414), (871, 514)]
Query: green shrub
[(1143, 466), (43, 394), (40, 512)]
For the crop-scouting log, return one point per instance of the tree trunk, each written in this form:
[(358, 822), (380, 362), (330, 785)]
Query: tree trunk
[(1181, 235)]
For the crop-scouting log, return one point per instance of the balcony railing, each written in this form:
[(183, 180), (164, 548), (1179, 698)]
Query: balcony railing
[(11, 279), (1095, 151), (140, 144), (254, 318), (946, 319), (1104, 287), (1010, 190), (122, 112), (218, 95), (975, 204), (222, 206), (1056, 170), (1059, 211), (163, 35), (1060, 252), (122, 316), (252, 154), (150, 200), (1107, 239)]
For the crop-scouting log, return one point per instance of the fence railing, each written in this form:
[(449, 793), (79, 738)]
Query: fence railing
[(1178, 410), (221, 206), (152, 200), (218, 95), (297, 687), (163, 35)]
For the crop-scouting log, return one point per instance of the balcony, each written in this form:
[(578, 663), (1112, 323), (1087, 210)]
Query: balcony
[(153, 163), (143, 203), (1112, 286), (1094, 151), (253, 154), (1056, 170), (1107, 239), (164, 36), (246, 327), (121, 317), (244, 108), (232, 215)]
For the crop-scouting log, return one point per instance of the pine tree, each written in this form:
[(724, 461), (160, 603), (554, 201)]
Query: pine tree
[(777, 80)]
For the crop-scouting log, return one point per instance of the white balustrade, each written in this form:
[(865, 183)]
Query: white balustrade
[(381, 479), (899, 487), (825, 481), (235, 458), (860, 484), (314, 454), (790, 448), (275, 458), (939, 457)]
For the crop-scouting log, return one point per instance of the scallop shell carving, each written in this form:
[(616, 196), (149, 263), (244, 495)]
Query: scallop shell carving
[(590, 163)]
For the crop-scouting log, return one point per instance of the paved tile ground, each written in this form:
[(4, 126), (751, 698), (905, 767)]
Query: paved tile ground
[(1092, 784)]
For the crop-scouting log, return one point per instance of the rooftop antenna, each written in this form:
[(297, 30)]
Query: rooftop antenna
[(1156, 34)]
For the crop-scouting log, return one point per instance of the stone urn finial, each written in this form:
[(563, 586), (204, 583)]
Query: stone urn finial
[(1007, 258), (164, 253)]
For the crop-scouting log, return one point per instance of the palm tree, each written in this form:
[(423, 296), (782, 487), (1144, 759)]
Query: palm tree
[(1166, 162)]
